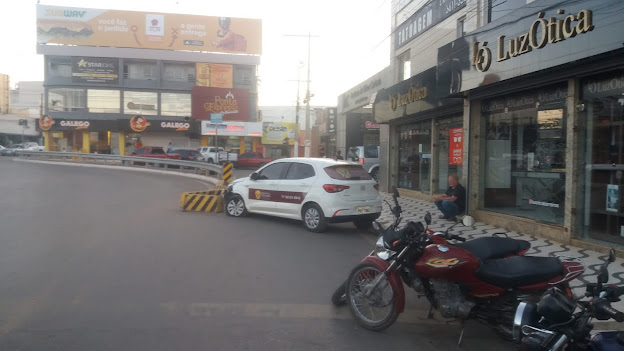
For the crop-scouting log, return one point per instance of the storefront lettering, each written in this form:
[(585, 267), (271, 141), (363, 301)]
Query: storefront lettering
[(77, 124), (228, 105), (541, 32), (548, 96), (365, 87), (180, 126), (606, 86), (414, 94), (521, 102)]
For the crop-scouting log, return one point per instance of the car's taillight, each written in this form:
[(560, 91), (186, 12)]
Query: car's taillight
[(376, 186), (191, 158), (362, 160), (333, 188)]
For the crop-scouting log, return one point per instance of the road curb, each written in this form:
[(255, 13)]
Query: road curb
[(156, 171)]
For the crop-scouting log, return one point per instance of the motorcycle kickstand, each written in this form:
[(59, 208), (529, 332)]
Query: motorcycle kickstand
[(461, 335), (430, 314)]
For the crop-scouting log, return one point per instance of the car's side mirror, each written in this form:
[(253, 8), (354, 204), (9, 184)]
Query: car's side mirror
[(468, 221), (254, 176)]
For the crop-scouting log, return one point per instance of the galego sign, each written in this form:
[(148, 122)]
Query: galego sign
[(75, 124), (178, 126)]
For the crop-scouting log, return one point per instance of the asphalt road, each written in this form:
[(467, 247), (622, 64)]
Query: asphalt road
[(98, 259)]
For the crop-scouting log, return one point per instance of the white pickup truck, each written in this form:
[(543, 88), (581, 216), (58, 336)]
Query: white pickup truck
[(210, 154)]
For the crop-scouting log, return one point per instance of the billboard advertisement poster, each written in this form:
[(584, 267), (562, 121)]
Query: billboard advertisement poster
[(277, 133), (147, 30), (456, 146), (95, 70), (232, 103), (214, 75)]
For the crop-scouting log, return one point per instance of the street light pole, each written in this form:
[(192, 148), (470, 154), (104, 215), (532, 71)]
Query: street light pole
[(307, 99), (307, 130), (296, 153)]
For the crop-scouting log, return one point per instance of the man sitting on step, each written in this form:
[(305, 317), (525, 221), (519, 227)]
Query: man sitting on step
[(453, 202)]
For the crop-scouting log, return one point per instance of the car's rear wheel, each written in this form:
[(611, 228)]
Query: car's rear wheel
[(375, 174), (235, 207), (313, 218), (210, 160)]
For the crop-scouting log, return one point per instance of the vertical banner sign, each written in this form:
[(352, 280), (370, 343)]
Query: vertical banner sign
[(613, 198), (456, 146), (202, 74)]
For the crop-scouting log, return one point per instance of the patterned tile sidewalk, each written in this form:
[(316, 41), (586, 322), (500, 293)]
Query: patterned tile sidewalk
[(415, 210)]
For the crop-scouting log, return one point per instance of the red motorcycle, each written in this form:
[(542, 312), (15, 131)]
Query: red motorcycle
[(484, 248), (457, 282)]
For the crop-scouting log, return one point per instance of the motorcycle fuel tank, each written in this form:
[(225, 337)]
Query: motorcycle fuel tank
[(455, 264)]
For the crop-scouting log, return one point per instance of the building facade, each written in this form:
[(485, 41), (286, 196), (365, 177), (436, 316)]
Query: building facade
[(130, 78), (523, 100)]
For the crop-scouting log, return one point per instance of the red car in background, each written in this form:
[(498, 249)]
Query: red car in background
[(154, 152), (251, 159)]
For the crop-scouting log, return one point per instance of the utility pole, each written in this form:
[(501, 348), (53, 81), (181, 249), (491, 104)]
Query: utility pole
[(307, 100)]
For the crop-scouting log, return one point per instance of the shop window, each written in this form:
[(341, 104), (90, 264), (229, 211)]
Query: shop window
[(140, 70), (524, 158), (405, 66), (173, 104), (140, 102), (179, 72), (461, 27), (602, 187), (60, 69), (66, 100), (446, 165), (415, 156), (103, 101)]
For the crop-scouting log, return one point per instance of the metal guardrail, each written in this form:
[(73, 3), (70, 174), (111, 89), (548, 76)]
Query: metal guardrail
[(127, 161)]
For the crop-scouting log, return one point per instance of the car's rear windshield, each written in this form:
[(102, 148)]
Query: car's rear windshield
[(347, 172), (158, 150), (371, 152)]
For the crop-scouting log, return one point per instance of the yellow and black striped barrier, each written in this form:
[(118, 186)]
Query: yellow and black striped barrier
[(202, 201), (227, 173)]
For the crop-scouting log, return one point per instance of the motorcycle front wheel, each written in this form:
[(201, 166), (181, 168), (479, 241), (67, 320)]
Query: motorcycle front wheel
[(374, 308)]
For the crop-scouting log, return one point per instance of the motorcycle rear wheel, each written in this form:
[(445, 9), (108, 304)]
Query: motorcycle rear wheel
[(378, 311)]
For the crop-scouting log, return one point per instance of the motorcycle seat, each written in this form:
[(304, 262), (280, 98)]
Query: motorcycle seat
[(516, 271), (486, 248)]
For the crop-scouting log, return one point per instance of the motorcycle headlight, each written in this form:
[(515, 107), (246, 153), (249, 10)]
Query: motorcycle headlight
[(381, 251), (526, 314)]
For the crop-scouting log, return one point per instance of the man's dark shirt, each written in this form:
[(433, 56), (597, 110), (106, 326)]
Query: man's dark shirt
[(460, 193)]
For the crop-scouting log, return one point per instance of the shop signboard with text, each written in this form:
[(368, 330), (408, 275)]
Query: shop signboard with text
[(232, 103), (95, 70), (277, 133), (540, 37), (147, 30)]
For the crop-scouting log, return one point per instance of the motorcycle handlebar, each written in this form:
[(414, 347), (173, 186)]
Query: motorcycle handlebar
[(612, 312)]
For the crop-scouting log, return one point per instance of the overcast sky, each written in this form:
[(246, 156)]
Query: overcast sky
[(351, 45)]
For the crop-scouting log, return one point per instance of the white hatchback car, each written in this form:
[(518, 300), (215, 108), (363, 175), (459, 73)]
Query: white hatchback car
[(317, 191)]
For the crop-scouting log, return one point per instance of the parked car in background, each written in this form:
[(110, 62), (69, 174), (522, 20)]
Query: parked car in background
[(32, 146), (368, 156), (251, 159), (10, 151), (211, 156), (154, 152), (317, 191), (189, 155)]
